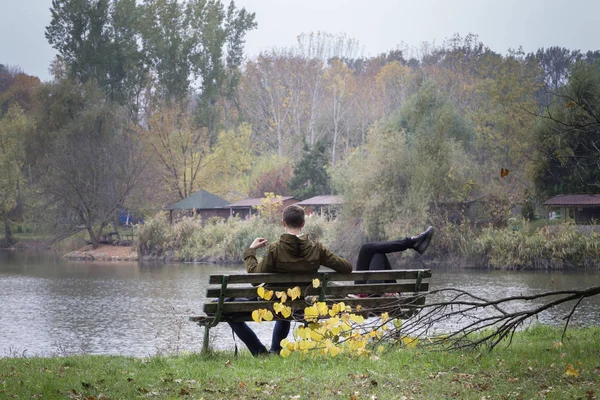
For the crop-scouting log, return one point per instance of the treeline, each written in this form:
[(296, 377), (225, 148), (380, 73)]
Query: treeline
[(152, 101)]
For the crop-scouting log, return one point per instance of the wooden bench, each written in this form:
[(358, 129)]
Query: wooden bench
[(221, 306)]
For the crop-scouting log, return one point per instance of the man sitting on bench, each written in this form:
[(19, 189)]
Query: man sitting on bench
[(295, 253)]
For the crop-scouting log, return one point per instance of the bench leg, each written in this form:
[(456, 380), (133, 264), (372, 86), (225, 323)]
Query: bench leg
[(206, 339)]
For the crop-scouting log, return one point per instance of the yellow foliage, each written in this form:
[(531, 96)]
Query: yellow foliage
[(311, 313), (385, 317), (285, 352), (331, 330), (264, 294), (316, 336), (282, 296), (303, 333), (322, 308), (359, 319), (571, 371), (271, 206), (285, 311), (260, 314), (316, 283), (294, 293)]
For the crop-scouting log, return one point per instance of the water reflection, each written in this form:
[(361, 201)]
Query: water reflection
[(52, 306)]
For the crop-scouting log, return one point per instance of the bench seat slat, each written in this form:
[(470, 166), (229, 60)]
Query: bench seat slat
[(299, 304), (332, 276), (333, 290)]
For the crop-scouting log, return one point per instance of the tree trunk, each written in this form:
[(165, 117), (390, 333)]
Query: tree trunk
[(8, 237), (93, 237)]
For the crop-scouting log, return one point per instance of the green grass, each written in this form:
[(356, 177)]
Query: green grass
[(534, 366), (535, 224)]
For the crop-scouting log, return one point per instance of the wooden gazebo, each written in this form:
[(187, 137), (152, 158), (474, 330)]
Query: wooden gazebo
[(586, 207)]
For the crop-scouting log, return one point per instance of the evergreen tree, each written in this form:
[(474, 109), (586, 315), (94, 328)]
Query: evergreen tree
[(310, 175)]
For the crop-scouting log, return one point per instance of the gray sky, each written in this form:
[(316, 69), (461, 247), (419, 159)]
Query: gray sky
[(379, 25)]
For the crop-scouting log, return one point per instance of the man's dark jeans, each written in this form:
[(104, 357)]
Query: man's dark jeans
[(247, 335), (372, 256)]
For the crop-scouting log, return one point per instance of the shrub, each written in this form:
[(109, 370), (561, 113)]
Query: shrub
[(217, 240), (553, 247)]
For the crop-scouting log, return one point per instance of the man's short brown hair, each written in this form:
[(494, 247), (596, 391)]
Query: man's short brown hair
[(293, 216)]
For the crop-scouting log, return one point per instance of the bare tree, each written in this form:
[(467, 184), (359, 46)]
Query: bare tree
[(457, 319)]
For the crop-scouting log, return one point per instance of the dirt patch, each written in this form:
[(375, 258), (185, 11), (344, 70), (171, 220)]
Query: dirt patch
[(104, 253)]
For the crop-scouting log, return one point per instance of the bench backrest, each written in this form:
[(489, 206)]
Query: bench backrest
[(409, 285)]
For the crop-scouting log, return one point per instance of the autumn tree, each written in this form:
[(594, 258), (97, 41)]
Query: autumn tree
[(556, 62), (408, 166), (91, 161), (17, 89), (225, 172), (270, 174), (17, 106), (14, 125), (176, 147), (568, 136), (287, 96), (340, 97), (271, 95)]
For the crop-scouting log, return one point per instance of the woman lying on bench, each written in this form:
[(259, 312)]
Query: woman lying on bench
[(295, 253)]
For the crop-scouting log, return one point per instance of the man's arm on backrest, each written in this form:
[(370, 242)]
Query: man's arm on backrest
[(336, 263)]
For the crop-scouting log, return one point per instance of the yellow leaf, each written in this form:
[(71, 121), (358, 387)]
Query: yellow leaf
[(302, 332), (316, 283), (255, 316), (314, 335), (571, 371), (294, 293), (282, 296), (261, 292), (334, 351), (311, 313), (268, 315), (268, 295), (409, 342), (285, 352), (322, 308), (385, 317), (286, 311), (277, 307), (357, 318)]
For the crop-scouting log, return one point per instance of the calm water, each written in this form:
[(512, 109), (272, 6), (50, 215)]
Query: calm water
[(51, 306)]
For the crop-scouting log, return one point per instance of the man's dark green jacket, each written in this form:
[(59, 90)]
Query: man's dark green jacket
[(293, 254)]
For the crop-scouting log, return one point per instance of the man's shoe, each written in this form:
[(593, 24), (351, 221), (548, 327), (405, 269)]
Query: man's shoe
[(421, 241)]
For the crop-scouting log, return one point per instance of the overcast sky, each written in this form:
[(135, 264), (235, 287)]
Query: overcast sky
[(379, 25)]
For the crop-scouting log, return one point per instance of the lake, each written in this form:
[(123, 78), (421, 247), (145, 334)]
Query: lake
[(50, 306)]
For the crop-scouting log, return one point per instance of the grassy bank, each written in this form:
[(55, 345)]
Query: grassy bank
[(536, 365)]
